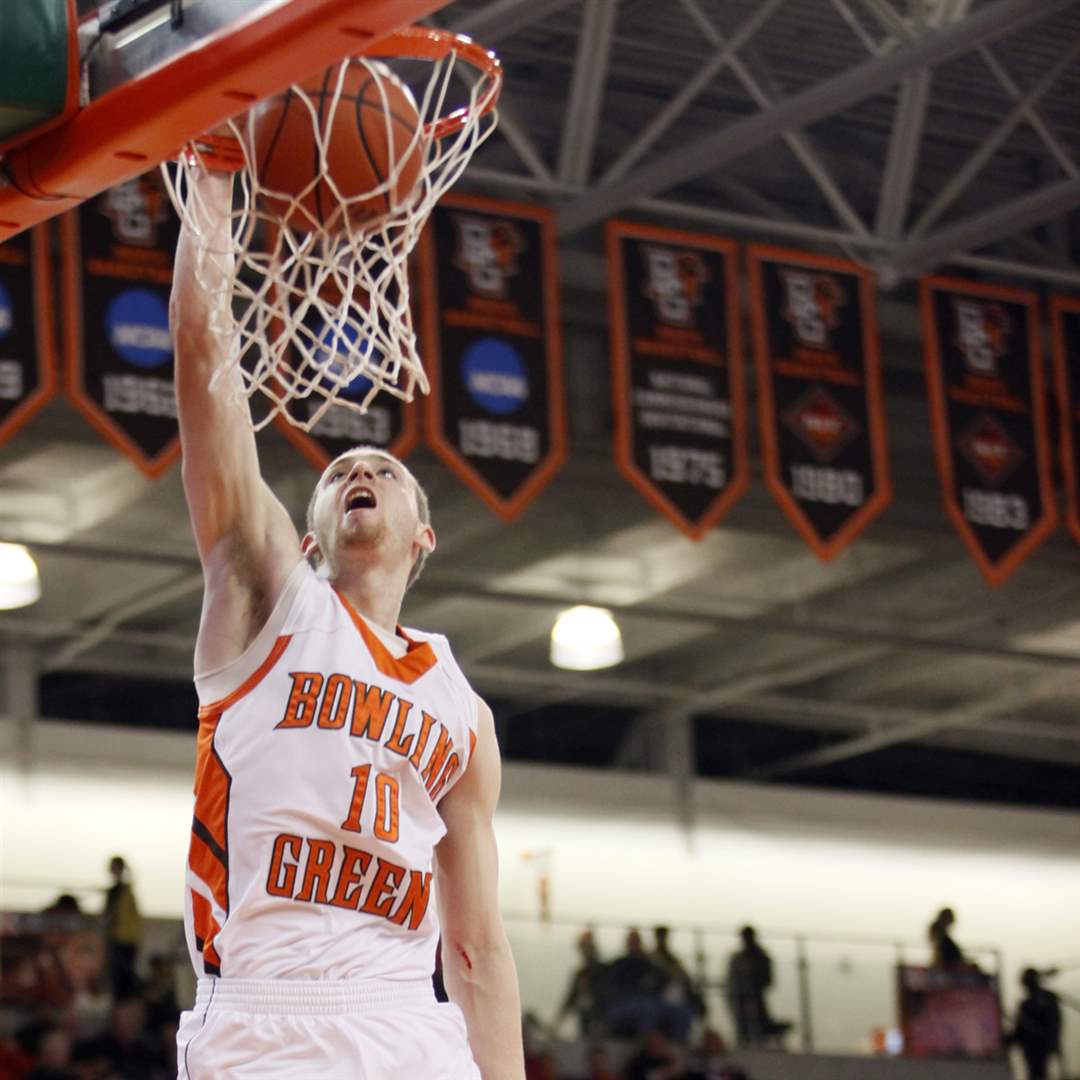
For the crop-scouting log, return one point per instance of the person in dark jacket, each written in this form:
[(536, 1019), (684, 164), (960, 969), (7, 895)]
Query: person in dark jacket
[(1038, 1025)]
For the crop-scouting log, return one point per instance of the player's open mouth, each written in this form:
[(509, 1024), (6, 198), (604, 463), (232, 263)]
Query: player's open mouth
[(360, 499)]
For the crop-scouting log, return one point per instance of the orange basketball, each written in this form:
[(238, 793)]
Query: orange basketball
[(371, 130)]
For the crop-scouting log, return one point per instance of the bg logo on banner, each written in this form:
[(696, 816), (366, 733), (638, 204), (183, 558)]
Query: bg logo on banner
[(118, 252), (494, 348), (988, 410), (680, 425), (1065, 321), (27, 354), (819, 385)]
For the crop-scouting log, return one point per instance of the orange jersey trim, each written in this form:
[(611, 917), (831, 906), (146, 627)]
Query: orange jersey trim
[(419, 659), (249, 684)]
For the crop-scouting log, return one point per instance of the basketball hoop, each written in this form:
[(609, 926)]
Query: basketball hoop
[(318, 268)]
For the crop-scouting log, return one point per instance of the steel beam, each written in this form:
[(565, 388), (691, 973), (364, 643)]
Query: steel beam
[(582, 121), (972, 712), (503, 18), (982, 154), (902, 158), (697, 83), (918, 256), (824, 99)]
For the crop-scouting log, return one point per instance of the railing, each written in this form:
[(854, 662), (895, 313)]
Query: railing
[(840, 994)]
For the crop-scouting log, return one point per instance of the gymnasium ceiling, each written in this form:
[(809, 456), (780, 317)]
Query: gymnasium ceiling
[(908, 135)]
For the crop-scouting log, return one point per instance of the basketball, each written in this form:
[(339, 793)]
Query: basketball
[(367, 139)]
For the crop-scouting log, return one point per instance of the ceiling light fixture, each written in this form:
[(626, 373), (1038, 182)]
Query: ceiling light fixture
[(20, 584), (585, 639)]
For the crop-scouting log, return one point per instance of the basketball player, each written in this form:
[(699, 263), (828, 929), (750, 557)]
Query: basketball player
[(341, 762)]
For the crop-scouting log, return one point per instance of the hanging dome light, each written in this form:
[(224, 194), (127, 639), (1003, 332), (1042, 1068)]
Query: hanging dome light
[(20, 584), (585, 639)]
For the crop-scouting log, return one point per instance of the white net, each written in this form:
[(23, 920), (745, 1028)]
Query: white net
[(319, 274)]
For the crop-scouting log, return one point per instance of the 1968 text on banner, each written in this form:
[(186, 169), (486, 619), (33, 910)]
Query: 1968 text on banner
[(496, 413), (677, 371), (118, 253), (988, 409), (820, 397), (27, 352)]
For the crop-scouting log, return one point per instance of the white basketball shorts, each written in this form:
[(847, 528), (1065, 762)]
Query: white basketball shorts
[(287, 1029)]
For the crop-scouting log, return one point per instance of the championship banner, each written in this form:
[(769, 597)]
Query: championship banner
[(389, 423), (677, 371), (1065, 321), (493, 341), (819, 393), (118, 254), (27, 352), (988, 413)]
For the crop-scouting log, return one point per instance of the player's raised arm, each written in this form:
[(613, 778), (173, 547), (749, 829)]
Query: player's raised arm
[(246, 540), (478, 967)]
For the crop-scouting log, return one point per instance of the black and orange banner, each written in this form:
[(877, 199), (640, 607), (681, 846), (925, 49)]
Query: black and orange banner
[(389, 422), (1065, 328), (118, 253), (677, 371), (988, 411), (27, 350), (819, 393), (493, 338)]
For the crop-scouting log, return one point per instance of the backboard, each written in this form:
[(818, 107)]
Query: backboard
[(159, 72)]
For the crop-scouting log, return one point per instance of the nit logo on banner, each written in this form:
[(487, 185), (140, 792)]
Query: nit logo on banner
[(982, 334), (487, 253), (674, 282), (7, 312), (811, 305), (137, 328)]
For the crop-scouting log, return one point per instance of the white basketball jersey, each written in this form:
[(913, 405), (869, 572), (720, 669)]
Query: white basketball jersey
[(321, 761)]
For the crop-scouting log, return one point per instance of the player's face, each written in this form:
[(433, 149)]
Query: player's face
[(367, 499)]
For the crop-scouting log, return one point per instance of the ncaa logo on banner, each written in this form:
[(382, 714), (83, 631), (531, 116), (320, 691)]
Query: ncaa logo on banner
[(495, 376), (487, 253), (7, 312), (982, 334), (811, 305), (674, 282), (137, 327)]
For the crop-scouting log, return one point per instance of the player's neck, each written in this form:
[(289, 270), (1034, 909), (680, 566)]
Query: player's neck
[(374, 591)]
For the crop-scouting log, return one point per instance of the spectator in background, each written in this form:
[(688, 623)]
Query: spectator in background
[(585, 991), (946, 954), (52, 1056), (657, 1059), (678, 989), (123, 931), (633, 990), (749, 976), (598, 1064), (1038, 1025), (124, 1050)]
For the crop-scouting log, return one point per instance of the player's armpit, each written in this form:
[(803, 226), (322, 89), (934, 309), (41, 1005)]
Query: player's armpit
[(478, 966)]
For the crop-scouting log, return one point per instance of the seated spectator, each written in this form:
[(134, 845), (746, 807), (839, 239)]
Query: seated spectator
[(710, 1062), (946, 954), (585, 991), (658, 1059), (52, 1056), (124, 1050), (599, 1065)]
